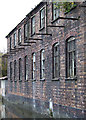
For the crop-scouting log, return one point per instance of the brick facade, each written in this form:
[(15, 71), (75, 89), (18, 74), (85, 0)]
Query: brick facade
[(69, 93)]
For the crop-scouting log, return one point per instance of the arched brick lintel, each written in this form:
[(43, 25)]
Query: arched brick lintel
[(70, 34)]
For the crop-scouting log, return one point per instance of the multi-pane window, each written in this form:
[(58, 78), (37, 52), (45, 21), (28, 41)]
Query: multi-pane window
[(42, 64), (42, 18), (20, 69), (10, 43), (71, 58), (56, 11), (56, 61), (26, 68), (19, 36), (33, 25), (14, 39), (25, 31), (33, 65), (15, 70), (11, 71)]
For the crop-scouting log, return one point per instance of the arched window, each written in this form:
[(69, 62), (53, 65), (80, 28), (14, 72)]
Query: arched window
[(42, 65), (56, 61), (71, 58)]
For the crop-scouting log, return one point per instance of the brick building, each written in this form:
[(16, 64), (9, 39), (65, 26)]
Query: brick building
[(47, 60)]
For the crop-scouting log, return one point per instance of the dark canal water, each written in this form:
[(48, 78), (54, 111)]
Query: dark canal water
[(14, 111)]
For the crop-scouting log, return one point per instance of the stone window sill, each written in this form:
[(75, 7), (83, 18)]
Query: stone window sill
[(74, 78), (55, 79), (43, 79), (41, 28), (15, 81), (55, 19), (26, 80), (33, 80), (32, 34), (11, 80), (20, 80)]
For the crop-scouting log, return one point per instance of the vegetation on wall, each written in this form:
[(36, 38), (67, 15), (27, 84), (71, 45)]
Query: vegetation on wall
[(3, 65), (66, 6)]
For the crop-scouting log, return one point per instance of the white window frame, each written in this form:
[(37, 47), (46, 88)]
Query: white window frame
[(33, 25), (33, 66), (43, 64), (42, 18)]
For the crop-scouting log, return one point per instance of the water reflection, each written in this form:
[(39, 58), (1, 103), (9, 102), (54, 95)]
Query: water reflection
[(15, 111)]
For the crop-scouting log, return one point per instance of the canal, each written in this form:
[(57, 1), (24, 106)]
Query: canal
[(15, 111)]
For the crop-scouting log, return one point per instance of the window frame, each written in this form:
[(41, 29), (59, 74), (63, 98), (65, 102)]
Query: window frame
[(15, 70), (42, 18), (20, 69), (33, 26), (26, 67), (72, 64), (54, 10), (25, 31), (15, 39), (56, 56), (19, 36), (42, 64), (33, 66), (10, 43), (11, 71)]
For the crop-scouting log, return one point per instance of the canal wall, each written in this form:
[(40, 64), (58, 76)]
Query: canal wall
[(42, 107)]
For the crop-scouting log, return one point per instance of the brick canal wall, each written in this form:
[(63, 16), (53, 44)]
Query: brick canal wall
[(69, 94)]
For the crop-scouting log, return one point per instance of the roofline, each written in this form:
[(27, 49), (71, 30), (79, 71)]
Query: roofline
[(28, 15)]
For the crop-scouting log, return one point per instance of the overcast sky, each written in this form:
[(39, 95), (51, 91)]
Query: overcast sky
[(11, 13)]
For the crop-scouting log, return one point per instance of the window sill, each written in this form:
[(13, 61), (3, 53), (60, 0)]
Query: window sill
[(75, 78), (19, 43), (15, 81), (55, 79), (26, 80), (11, 80), (32, 34), (33, 80), (42, 79), (55, 19), (20, 80), (14, 47), (41, 28)]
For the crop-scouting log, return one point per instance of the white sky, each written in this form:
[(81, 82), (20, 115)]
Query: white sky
[(11, 13)]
